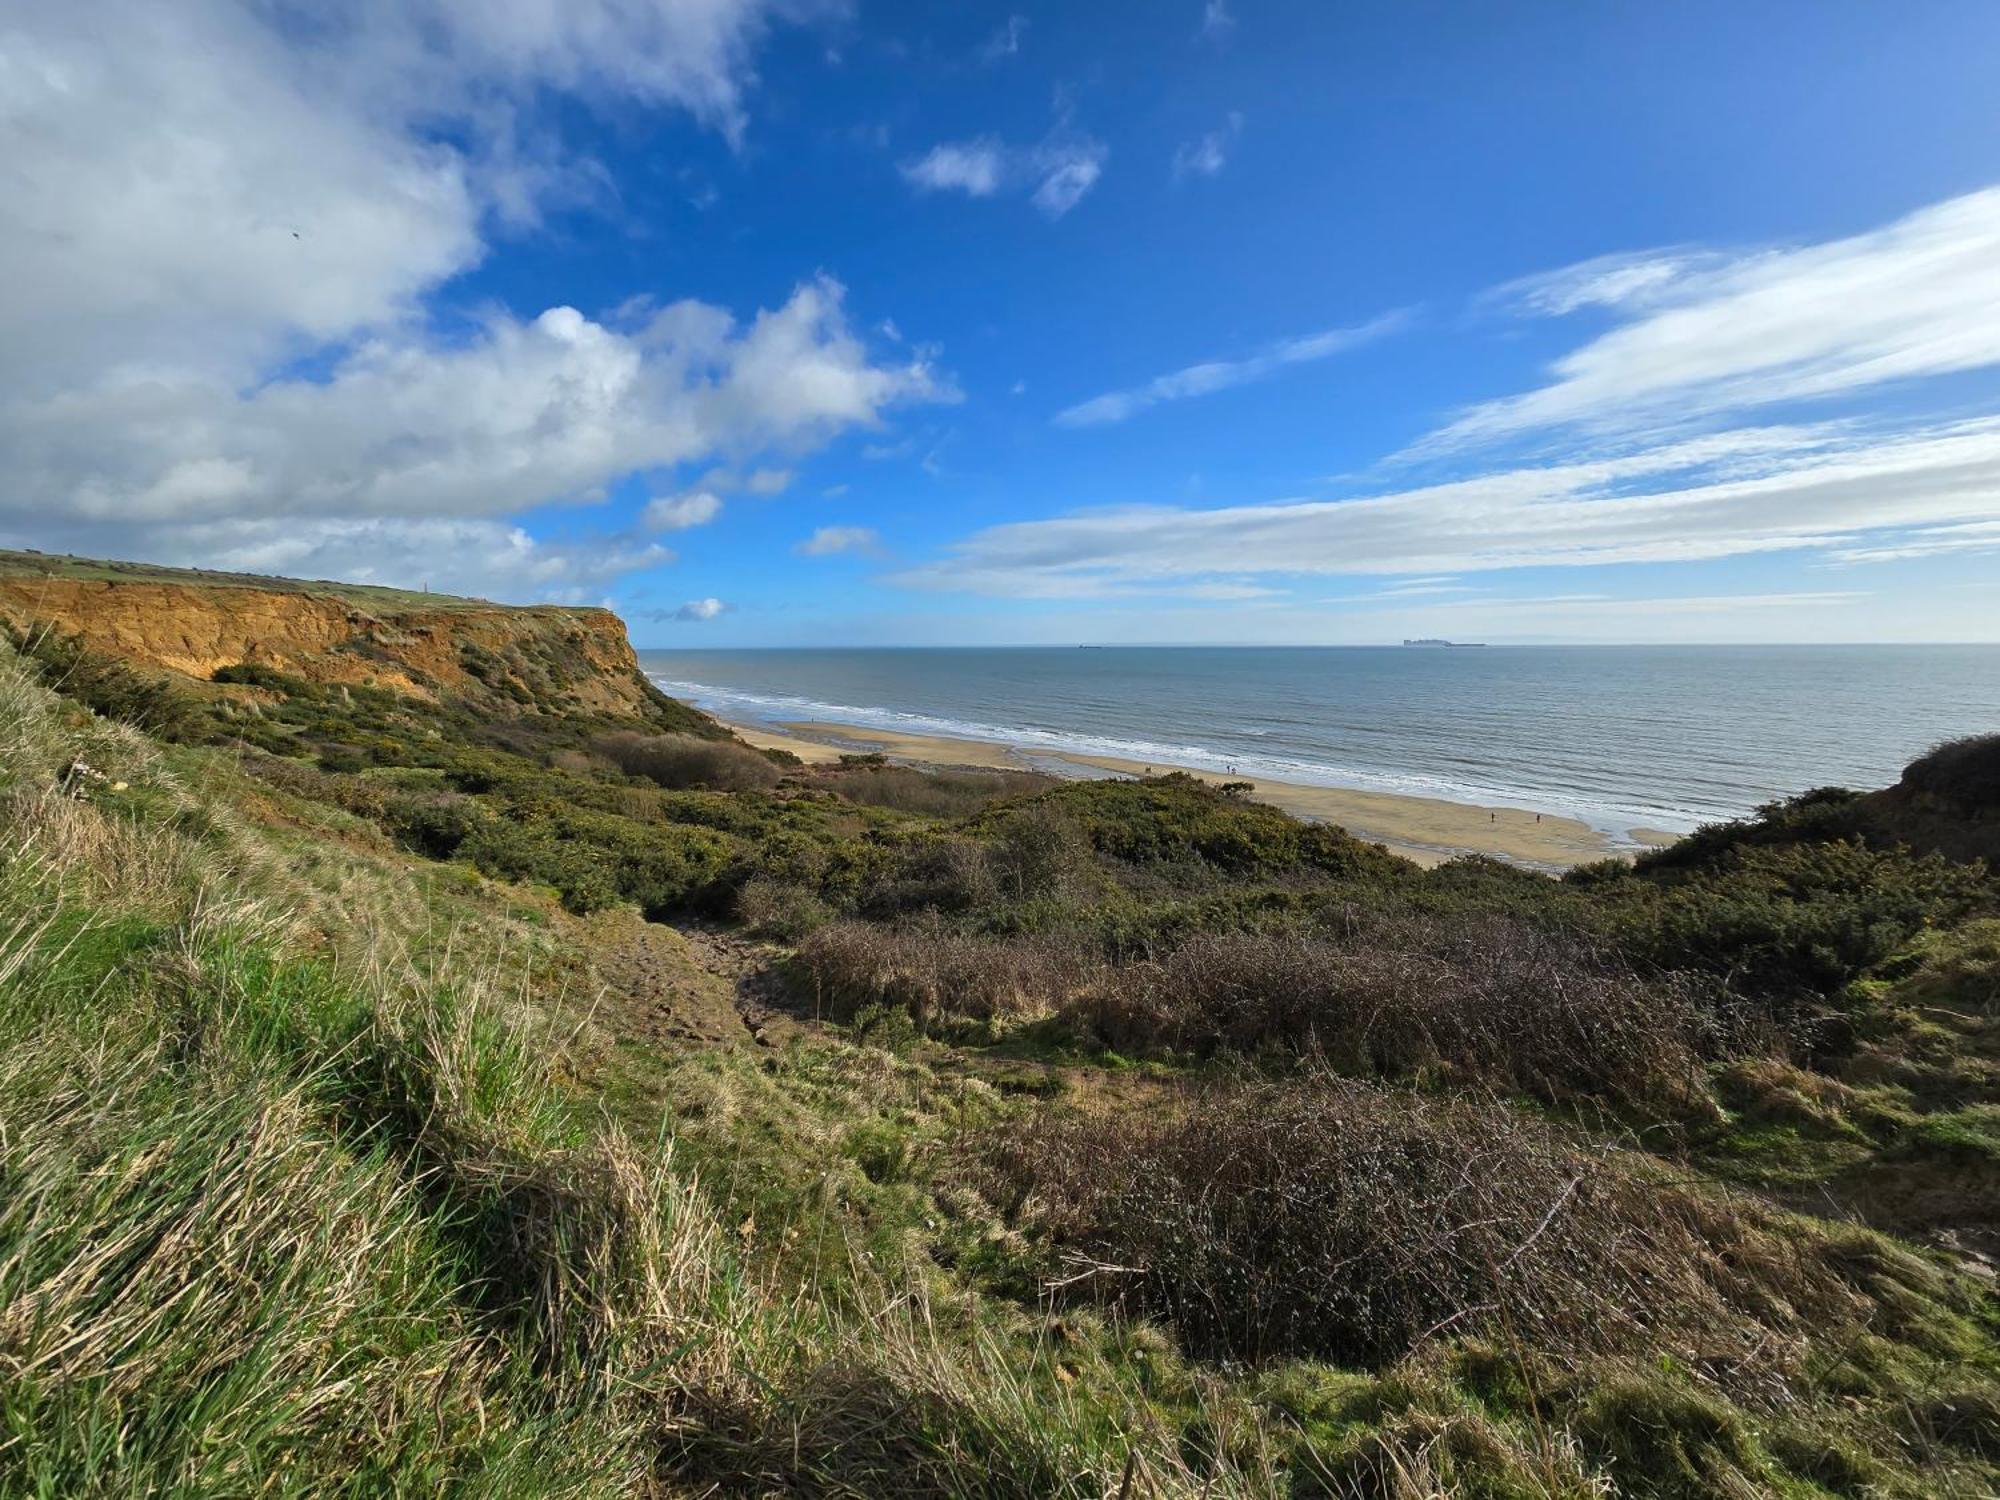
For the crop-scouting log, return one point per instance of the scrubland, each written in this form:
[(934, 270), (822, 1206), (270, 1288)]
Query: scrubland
[(402, 1098)]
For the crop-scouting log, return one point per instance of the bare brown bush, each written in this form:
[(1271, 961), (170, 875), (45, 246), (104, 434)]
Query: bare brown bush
[(680, 761), (935, 973), (1490, 1001), (581, 762), (936, 794), (1038, 854), (780, 909), (1355, 1223), (947, 873)]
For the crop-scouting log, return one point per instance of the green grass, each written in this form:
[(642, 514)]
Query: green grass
[(334, 1165), (32, 565)]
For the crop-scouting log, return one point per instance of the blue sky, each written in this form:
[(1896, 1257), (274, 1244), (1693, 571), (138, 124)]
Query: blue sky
[(779, 322)]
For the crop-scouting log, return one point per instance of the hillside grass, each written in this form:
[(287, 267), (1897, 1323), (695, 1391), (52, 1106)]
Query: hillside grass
[(32, 565), (1124, 1138), (282, 1219)]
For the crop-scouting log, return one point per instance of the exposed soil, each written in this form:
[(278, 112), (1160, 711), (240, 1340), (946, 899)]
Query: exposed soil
[(692, 983)]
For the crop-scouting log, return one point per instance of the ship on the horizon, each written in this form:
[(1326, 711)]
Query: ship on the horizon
[(1434, 641)]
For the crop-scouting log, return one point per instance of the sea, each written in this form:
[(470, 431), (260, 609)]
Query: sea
[(1620, 737)]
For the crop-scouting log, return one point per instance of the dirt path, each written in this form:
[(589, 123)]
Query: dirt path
[(691, 983), (750, 971)]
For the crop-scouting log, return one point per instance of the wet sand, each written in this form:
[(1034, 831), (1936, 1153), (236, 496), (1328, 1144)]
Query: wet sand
[(1428, 830)]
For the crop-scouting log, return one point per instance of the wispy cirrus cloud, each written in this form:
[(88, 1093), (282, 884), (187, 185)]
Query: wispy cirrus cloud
[(1056, 174), (1606, 281), (1220, 374), (1420, 588), (1005, 42), (1827, 489), (1704, 334), (1207, 154)]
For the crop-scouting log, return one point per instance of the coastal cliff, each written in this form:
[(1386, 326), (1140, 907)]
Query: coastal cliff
[(537, 659)]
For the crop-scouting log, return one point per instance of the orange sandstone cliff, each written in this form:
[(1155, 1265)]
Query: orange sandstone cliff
[(528, 659)]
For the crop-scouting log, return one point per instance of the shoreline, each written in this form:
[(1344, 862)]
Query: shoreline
[(1428, 830)]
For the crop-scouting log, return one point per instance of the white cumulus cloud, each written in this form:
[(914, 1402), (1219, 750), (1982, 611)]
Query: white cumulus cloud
[(975, 168), (207, 199), (681, 512), (449, 555)]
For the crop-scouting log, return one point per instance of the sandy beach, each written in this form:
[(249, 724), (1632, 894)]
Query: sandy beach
[(1425, 829), (812, 752)]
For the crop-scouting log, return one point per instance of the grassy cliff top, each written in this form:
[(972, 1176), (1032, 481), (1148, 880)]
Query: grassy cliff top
[(29, 564)]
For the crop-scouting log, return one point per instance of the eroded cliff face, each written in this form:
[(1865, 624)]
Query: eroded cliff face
[(537, 659)]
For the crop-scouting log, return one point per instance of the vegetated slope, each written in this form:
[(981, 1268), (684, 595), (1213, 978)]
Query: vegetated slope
[(542, 659), (1126, 1138), (303, 1197)]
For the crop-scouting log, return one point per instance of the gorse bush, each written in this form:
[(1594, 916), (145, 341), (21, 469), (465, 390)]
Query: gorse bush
[(1964, 773), (678, 761), (1789, 920), (106, 685), (1179, 818)]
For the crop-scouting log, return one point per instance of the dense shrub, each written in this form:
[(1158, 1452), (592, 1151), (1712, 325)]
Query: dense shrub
[(1178, 819), (1354, 1223), (1040, 852), (259, 675), (1965, 773), (1794, 919), (945, 873), (434, 826), (1827, 812), (107, 686), (679, 761), (778, 909)]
